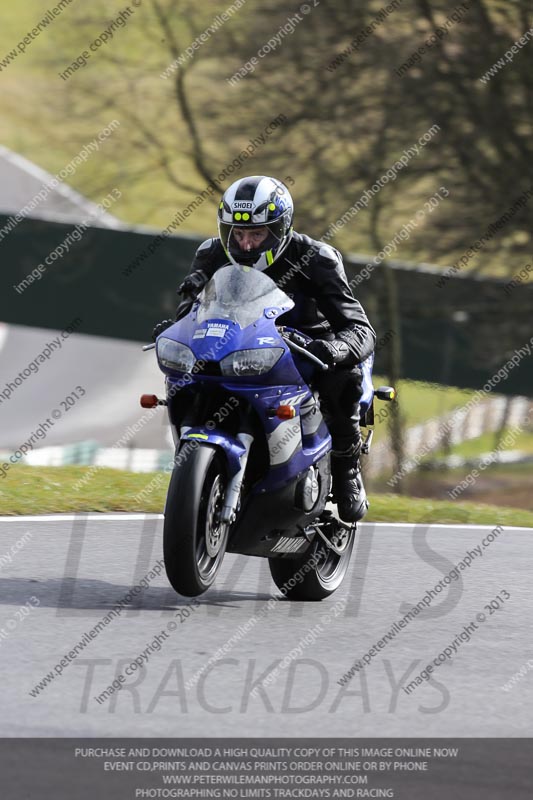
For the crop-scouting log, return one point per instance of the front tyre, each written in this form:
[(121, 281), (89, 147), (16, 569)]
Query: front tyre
[(194, 538), (299, 580)]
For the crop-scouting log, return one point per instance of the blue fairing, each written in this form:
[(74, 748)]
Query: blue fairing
[(368, 389), (214, 339), (294, 444)]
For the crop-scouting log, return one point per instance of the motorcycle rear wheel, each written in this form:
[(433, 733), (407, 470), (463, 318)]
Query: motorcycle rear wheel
[(194, 538), (300, 581)]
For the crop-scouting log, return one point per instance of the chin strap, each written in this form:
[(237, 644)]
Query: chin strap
[(267, 257)]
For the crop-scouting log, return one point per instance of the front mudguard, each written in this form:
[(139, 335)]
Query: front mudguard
[(231, 447)]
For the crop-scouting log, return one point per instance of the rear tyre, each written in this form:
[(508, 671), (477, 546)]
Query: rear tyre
[(194, 539), (299, 580)]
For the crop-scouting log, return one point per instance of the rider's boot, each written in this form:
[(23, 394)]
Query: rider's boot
[(348, 490)]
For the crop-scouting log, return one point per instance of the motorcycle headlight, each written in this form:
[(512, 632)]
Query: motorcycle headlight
[(251, 362), (174, 355)]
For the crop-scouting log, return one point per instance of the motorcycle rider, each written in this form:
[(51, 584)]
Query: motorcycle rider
[(255, 229)]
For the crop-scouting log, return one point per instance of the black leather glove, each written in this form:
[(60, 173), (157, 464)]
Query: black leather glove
[(331, 353), (360, 339), (193, 282), (160, 327)]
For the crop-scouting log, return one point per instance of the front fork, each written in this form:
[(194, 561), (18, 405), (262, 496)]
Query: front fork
[(245, 437), (234, 487)]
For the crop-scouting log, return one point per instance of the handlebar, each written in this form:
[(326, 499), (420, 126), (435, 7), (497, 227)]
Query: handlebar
[(148, 346), (303, 352)]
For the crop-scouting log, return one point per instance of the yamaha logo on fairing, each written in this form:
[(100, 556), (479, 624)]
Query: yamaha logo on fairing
[(243, 205)]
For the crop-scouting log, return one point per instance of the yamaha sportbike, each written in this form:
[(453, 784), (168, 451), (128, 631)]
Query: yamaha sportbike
[(252, 465)]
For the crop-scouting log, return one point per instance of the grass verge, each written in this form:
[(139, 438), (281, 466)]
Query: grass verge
[(396, 508), (57, 490)]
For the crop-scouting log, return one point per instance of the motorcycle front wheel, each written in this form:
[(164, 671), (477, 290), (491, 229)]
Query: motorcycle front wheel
[(194, 538)]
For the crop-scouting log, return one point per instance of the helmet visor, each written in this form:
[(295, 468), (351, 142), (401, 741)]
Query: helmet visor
[(245, 253)]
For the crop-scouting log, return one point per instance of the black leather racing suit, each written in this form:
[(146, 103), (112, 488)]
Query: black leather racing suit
[(312, 274)]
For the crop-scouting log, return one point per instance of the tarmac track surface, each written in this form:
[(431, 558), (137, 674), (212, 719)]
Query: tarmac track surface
[(77, 568)]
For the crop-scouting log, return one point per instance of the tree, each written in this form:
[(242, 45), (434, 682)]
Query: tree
[(353, 109)]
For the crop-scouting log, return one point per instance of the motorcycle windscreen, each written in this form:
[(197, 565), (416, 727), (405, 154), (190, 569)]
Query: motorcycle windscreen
[(240, 294)]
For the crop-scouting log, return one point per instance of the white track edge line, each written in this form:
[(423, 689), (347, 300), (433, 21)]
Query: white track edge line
[(133, 517)]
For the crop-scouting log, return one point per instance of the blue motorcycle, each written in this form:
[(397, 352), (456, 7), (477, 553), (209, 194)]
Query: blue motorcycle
[(252, 465)]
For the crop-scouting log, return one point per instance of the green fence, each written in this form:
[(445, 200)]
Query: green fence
[(120, 283)]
